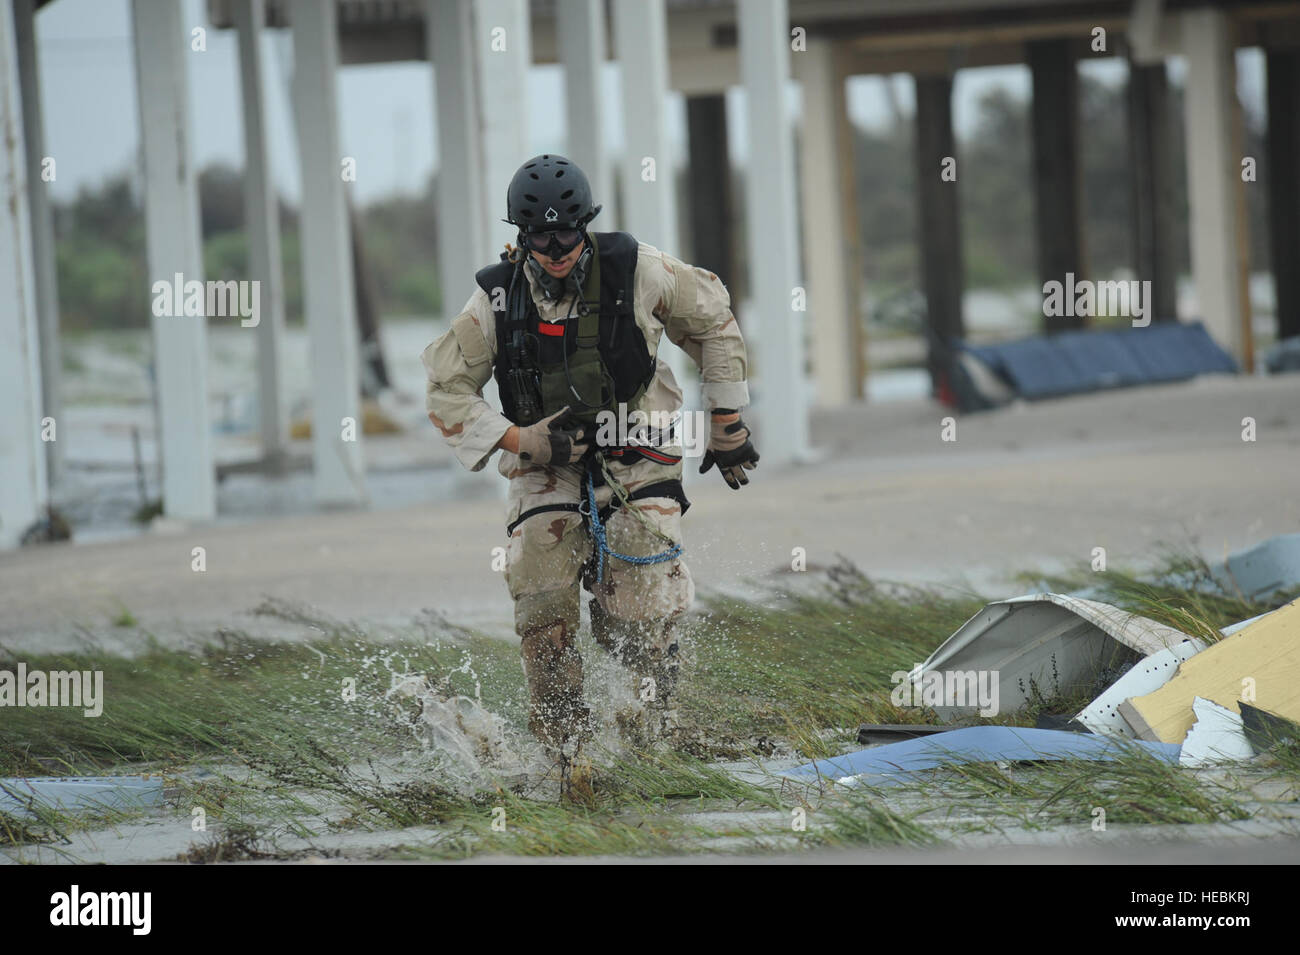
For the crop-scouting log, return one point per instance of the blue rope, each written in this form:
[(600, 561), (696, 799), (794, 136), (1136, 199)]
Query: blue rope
[(598, 534)]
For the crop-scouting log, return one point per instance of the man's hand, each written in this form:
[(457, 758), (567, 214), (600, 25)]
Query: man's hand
[(730, 448), (547, 442)]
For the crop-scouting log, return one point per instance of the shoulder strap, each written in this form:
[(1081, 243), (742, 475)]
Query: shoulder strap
[(494, 276)]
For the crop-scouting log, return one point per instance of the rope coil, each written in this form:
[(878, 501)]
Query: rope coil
[(592, 514)]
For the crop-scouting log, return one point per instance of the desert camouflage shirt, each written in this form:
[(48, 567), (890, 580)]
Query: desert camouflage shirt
[(688, 304)]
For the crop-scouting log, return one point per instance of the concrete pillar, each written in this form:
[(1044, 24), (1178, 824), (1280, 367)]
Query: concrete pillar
[(835, 339), (940, 224), (42, 220), (1283, 159), (775, 335), (1150, 137), (503, 53), (1057, 161), (262, 227), (1214, 186), (462, 214), (641, 41), (708, 172), (850, 223), (649, 206), (24, 490), (328, 295), (171, 206), (581, 25)]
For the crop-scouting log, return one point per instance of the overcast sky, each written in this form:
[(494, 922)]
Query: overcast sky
[(386, 112)]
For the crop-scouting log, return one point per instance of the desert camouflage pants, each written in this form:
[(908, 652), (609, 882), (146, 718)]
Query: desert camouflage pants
[(635, 608)]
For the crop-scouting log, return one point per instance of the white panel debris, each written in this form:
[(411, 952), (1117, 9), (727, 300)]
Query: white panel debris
[(1102, 714), (1217, 736), (1052, 642)]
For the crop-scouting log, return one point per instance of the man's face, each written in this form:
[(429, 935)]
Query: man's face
[(559, 267)]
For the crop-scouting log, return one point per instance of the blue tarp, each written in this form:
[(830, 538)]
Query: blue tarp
[(978, 744), (1070, 362)]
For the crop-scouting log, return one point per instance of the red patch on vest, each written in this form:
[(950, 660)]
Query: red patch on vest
[(546, 328)]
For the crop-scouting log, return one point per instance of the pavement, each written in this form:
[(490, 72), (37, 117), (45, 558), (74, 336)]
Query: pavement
[(1031, 487)]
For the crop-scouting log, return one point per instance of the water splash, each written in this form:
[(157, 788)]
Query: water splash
[(471, 741)]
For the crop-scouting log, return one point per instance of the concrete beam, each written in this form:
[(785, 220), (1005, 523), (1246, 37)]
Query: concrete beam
[(502, 49), (650, 200), (24, 491), (262, 227), (649, 209), (582, 50), (329, 298), (834, 336), (703, 72), (171, 207), (775, 331), (940, 224), (1057, 177), (1283, 159), (1214, 186), (462, 212), (850, 224), (42, 219), (1151, 146)]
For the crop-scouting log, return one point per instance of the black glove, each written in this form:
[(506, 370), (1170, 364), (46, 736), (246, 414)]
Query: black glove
[(550, 442), (730, 448)]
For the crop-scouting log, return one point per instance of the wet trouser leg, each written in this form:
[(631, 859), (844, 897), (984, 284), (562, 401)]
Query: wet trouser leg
[(543, 562), (637, 609)]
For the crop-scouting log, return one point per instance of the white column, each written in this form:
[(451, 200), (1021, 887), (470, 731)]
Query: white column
[(47, 291), (171, 210), (262, 226), (461, 212), (24, 487), (581, 25), (832, 317), (641, 42), (650, 205), (328, 295), (774, 330), (503, 53), (1214, 178)]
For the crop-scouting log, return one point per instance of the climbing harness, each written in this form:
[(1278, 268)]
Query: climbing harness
[(597, 526)]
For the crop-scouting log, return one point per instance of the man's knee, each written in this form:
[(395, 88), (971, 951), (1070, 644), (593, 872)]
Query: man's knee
[(534, 611)]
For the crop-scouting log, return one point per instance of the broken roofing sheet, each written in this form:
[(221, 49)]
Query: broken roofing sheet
[(974, 744), (1058, 643)]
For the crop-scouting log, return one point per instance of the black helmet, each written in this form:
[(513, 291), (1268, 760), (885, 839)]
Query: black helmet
[(549, 192)]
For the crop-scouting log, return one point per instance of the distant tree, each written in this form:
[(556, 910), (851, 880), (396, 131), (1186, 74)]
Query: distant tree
[(221, 199)]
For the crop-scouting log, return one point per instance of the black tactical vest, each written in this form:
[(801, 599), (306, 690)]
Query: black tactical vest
[(601, 345)]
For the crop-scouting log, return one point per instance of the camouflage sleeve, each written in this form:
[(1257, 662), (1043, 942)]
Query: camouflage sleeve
[(696, 315), (459, 364)]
